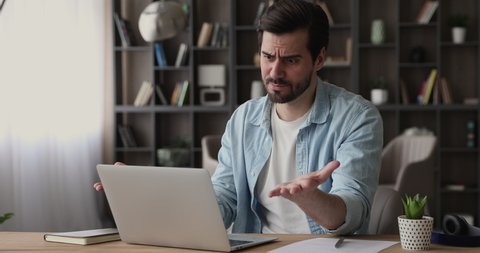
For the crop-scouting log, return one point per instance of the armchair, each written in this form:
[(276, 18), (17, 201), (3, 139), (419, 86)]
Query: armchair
[(408, 165)]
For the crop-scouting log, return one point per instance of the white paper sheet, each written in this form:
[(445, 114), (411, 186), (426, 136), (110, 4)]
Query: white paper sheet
[(327, 245)]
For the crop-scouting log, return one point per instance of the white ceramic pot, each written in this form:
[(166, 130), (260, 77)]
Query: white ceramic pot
[(459, 34), (415, 234), (379, 96)]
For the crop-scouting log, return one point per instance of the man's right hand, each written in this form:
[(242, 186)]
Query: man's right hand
[(98, 185)]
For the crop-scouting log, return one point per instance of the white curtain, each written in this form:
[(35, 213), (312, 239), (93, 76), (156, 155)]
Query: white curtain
[(51, 113)]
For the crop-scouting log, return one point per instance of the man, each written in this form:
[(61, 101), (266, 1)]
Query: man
[(270, 177), (305, 158)]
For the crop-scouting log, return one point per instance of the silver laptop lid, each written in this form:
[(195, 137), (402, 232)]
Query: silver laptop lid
[(142, 197)]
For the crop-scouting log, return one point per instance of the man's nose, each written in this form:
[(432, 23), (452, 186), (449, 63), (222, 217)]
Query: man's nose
[(277, 71)]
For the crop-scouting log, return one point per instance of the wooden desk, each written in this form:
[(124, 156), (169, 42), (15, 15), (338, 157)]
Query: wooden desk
[(33, 242)]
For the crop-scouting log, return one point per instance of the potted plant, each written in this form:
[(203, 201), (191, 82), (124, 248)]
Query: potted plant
[(415, 228), (378, 91), (176, 154), (458, 23), (5, 217)]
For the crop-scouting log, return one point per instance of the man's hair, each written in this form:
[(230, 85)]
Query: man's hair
[(286, 16)]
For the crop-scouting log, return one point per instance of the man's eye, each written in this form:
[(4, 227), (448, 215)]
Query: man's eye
[(292, 60), (268, 57)]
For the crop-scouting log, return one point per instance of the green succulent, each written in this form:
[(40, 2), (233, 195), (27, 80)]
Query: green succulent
[(378, 83), (414, 206), (458, 20), (5, 217)]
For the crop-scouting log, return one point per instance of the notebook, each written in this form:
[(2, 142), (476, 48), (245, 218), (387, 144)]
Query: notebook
[(84, 237), (170, 207)]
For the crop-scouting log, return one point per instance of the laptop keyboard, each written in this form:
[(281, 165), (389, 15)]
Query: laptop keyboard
[(237, 242)]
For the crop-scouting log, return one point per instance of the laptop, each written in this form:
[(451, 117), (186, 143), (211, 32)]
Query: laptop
[(169, 207)]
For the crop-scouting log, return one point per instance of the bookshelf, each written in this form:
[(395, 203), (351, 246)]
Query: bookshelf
[(157, 126), (457, 164)]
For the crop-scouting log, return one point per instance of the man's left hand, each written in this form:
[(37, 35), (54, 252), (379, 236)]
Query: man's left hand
[(305, 184)]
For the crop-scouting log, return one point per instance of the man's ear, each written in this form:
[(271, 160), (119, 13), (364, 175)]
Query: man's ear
[(320, 60)]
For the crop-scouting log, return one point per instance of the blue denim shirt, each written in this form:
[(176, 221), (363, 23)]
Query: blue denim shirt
[(341, 126)]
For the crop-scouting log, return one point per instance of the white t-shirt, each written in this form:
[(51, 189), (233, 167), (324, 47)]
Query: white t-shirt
[(282, 215)]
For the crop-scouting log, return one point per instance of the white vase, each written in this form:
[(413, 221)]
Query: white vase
[(415, 234), (378, 96), (257, 89), (459, 34), (377, 32)]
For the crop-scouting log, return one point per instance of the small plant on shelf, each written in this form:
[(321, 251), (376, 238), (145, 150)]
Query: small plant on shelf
[(378, 91), (5, 217), (414, 207), (458, 20), (378, 83), (458, 23)]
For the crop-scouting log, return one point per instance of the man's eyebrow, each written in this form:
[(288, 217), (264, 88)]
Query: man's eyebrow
[(285, 56), (265, 53)]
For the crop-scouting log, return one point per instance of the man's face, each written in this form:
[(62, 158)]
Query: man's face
[(286, 64)]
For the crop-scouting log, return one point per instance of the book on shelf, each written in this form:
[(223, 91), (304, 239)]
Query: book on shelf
[(84, 237), (404, 93), (160, 54), (175, 93), (429, 86), (161, 96), (182, 53), (126, 136), (421, 92), (180, 93), (324, 6), (205, 34), (144, 94), (436, 92), (445, 92), (426, 11), (123, 30), (348, 50), (223, 40), (183, 94), (216, 30)]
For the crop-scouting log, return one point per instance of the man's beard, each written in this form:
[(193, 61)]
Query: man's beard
[(295, 90)]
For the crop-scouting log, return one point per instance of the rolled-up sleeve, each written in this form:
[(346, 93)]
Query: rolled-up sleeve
[(356, 181)]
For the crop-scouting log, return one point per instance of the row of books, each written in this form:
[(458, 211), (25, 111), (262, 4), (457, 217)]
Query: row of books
[(213, 35), (433, 90), (124, 30), (180, 60), (126, 136), (179, 95)]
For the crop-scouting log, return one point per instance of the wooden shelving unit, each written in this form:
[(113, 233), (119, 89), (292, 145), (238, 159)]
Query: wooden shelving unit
[(157, 125)]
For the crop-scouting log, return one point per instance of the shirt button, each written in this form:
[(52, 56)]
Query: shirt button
[(253, 174)]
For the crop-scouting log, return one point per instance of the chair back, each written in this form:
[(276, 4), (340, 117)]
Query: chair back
[(210, 146), (403, 151), (386, 207)]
